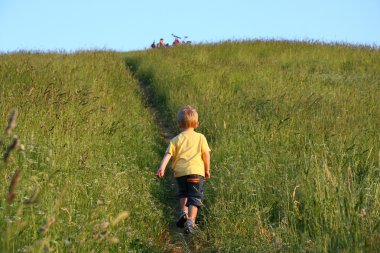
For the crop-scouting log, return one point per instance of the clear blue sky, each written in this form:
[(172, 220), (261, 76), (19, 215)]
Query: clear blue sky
[(124, 25)]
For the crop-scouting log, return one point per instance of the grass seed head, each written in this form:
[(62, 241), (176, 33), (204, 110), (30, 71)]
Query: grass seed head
[(120, 217), (363, 213), (114, 240), (12, 188), (21, 147), (14, 144), (11, 122)]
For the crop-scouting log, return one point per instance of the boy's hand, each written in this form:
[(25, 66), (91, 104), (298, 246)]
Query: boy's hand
[(160, 173), (206, 160), (207, 174), (161, 170)]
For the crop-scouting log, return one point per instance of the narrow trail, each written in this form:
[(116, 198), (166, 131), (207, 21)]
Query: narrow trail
[(178, 242)]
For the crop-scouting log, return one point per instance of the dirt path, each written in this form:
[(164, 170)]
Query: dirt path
[(177, 241)]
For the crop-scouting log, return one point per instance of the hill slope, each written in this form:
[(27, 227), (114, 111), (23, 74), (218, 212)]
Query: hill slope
[(293, 128), (294, 133)]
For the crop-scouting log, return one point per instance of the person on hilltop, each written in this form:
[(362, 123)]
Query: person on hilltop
[(191, 166), (176, 41), (161, 43)]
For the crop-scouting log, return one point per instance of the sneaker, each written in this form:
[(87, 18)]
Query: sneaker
[(182, 219), (190, 227)]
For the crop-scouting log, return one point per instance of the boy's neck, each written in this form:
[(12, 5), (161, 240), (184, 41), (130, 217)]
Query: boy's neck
[(188, 129)]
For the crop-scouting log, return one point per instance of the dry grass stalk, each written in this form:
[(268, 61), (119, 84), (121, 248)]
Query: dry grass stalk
[(349, 179), (12, 188), (294, 194), (15, 143), (11, 122), (329, 175)]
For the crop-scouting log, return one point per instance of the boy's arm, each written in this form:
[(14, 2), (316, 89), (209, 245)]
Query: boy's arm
[(165, 160), (206, 161)]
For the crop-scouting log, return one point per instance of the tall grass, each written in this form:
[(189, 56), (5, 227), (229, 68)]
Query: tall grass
[(294, 129), (86, 181)]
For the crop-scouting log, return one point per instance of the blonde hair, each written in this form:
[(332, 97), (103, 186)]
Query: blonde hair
[(187, 117)]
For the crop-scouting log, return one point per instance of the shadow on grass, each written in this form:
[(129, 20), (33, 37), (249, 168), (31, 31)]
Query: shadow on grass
[(155, 100)]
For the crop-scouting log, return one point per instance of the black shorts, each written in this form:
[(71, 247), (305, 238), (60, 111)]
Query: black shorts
[(192, 188)]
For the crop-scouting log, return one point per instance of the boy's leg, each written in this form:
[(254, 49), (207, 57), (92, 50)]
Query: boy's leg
[(195, 189), (194, 201), (183, 216), (190, 227), (182, 202), (193, 211)]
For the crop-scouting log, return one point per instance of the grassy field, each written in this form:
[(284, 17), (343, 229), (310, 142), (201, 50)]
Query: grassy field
[(90, 145), (293, 129)]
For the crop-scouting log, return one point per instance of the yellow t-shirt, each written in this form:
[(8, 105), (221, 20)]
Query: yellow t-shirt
[(186, 149)]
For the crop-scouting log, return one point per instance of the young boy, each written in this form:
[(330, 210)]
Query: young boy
[(191, 164)]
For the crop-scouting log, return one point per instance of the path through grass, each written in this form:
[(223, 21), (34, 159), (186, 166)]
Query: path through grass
[(179, 242)]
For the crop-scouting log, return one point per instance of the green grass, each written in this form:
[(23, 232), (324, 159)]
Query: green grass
[(295, 139), (293, 129), (90, 148)]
